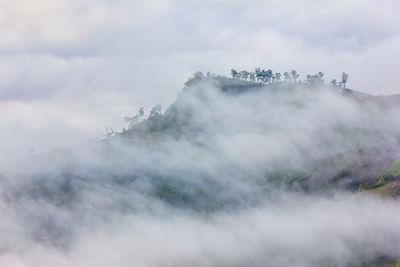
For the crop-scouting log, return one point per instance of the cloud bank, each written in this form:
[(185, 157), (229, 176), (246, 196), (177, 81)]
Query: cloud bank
[(102, 60), (68, 69), (210, 199)]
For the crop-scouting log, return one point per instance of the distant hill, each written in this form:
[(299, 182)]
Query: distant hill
[(366, 167), (276, 169)]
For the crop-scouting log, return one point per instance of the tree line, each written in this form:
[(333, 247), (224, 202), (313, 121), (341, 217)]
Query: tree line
[(269, 77), (139, 117), (258, 76)]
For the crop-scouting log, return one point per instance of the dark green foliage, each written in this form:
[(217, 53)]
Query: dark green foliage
[(264, 76), (234, 73), (269, 77), (315, 80)]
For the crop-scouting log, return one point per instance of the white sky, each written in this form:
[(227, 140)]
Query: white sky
[(70, 68)]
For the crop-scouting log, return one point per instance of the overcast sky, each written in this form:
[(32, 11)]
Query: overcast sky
[(70, 68)]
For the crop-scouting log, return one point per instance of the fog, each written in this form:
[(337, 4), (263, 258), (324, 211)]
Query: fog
[(98, 60), (300, 231), (217, 194), (266, 177)]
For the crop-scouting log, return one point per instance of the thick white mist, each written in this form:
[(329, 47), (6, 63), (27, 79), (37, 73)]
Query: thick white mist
[(100, 205)]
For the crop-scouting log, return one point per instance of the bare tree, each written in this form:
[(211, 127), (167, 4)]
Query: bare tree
[(345, 77), (141, 113)]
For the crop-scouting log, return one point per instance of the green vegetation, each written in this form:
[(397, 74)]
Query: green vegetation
[(393, 170), (270, 77), (395, 264), (341, 170), (173, 122), (387, 184), (391, 189), (301, 177), (165, 191)]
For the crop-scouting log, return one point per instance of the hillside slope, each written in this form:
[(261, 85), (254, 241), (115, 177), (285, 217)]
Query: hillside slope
[(233, 173), (358, 158)]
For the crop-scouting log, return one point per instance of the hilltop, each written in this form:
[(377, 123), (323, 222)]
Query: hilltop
[(370, 163), (272, 168)]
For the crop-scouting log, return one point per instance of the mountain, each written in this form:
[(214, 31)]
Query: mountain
[(233, 173), (373, 164)]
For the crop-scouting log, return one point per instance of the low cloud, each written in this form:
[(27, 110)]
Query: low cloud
[(69, 70), (209, 199)]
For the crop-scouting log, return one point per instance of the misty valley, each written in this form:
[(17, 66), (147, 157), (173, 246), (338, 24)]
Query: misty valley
[(252, 170)]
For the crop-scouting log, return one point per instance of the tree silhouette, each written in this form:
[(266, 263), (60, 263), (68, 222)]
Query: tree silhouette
[(286, 77), (278, 77), (244, 74), (269, 77), (135, 119), (141, 113), (345, 77), (258, 74), (315, 79), (269, 74), (234, 73), (294, 75), (155, 111), (252, 76)]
